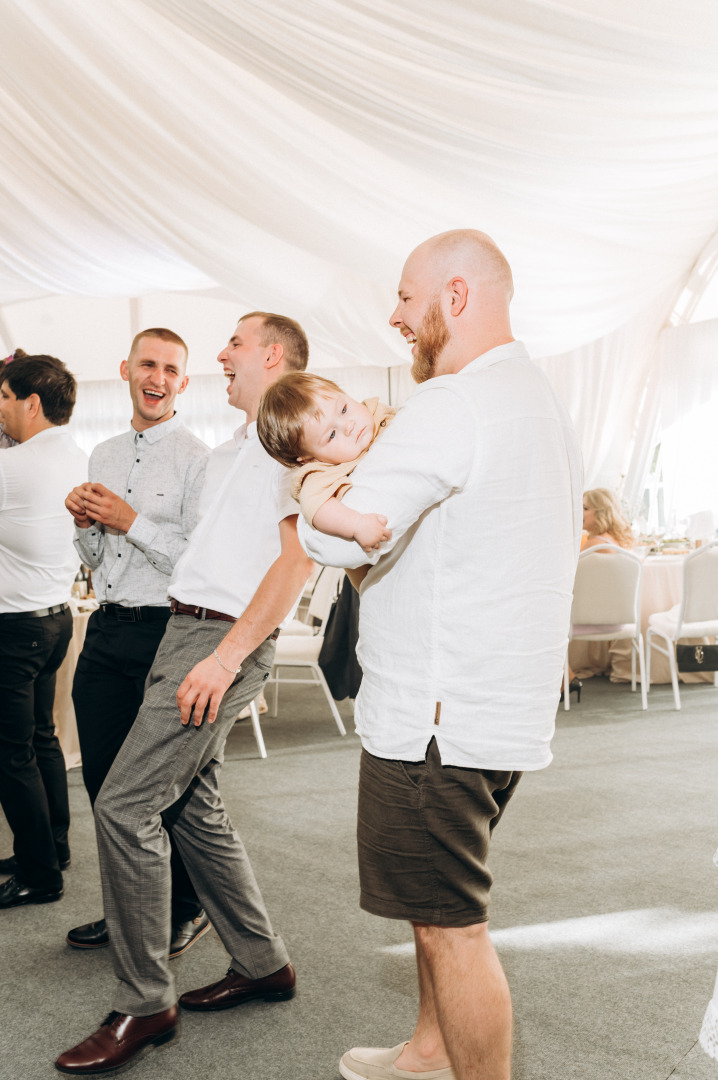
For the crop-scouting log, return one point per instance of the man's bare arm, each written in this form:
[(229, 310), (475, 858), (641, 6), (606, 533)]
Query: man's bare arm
[(207, 682)]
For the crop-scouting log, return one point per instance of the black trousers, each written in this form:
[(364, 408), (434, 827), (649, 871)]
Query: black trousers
[(107, 693), (33, 779)]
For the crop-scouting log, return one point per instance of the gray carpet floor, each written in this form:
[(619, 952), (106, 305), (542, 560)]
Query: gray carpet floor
[(604, 909)]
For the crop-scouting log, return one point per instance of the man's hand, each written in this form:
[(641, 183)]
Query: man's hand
[(109, 509), (203, 689), (371, 531), (75, 503)]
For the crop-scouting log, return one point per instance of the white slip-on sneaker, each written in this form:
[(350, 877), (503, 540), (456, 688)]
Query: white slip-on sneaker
[(369, 1063)]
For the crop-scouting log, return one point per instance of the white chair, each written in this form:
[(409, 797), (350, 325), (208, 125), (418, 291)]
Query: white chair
[(606, 606), (695, 617), (257, 729), (300, 643)]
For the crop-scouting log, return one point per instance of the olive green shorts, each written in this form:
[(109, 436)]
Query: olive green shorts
[(423, 834)]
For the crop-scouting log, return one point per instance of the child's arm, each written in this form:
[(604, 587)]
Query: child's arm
[(336, 519)]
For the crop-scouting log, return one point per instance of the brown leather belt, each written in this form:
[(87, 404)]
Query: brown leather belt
[(198, 612)]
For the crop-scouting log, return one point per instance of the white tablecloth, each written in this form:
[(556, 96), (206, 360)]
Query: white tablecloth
[(661, 588)]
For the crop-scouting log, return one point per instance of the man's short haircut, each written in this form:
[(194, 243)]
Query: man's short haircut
[(285, 407), (163, 334), (278, 329), (47, 377)]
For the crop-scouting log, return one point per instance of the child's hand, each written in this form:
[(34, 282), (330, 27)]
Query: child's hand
[(371, 532)]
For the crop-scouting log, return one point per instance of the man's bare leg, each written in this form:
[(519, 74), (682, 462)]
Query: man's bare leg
[(464, 1006), (426, 1050)]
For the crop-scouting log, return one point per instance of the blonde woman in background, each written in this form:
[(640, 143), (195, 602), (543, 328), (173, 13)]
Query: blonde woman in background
[(603, 521)]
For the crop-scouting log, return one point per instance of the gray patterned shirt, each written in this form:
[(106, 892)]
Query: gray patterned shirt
[(160, 473)]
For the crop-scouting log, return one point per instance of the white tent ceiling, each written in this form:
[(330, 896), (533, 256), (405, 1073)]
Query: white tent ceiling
[(289, 155)]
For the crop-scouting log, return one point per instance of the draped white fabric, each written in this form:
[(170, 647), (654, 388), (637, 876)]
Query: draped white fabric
[(688, 416), (291, 154)]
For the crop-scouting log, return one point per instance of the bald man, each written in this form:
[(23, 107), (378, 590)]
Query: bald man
[(463, 630)]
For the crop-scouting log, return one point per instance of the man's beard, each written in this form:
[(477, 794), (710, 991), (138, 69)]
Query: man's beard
[(431, 340)]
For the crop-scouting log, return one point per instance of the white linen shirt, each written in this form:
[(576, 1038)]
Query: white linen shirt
[(245, 496), (160, 473), (464, 617), (37, 560)]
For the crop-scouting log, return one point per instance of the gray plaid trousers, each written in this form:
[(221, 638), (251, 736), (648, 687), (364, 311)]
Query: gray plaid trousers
[(165, 768)]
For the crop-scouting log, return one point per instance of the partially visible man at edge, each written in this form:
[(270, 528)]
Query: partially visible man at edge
[(37, 566), (462, 639), (133, 520), (244, 566)]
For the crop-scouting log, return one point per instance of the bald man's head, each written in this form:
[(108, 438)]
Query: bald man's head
[(467, 253), (454, 298)]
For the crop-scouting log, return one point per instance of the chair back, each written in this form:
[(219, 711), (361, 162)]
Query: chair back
[(700, 586), (324, 594), (607, 587)]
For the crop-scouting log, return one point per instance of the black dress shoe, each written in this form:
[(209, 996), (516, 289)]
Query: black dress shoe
[(235, 989), (14, 892), (9, 866), (91, 935), (118, 1042), (574, 687), (185, 934)]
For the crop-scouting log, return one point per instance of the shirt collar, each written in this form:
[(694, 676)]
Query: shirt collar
[(245, 432), (512, 350), (154, 434), (46, 433)]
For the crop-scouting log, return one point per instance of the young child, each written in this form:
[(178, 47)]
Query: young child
[(309, 424)]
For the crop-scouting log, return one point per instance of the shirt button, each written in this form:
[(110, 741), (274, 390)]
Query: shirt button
[(137, 460), (129, 491), (119, 554), (109, 586)]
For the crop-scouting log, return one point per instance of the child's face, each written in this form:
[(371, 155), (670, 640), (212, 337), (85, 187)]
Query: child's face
[(339, 432)]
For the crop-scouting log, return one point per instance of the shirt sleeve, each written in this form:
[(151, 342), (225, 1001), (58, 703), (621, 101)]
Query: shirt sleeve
[(162, 545), (422, 457), (90, 545), (286, 503)]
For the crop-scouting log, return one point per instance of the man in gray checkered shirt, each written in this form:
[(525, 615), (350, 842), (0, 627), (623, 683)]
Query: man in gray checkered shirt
[(133, 520)]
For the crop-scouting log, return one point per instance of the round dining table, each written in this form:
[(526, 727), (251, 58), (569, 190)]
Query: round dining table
[(661, 589)]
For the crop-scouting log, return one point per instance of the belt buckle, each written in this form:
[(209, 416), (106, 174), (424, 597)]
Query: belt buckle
[(200, 612), (125, 614)]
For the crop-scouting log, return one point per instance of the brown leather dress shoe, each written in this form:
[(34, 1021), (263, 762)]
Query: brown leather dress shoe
[(120, 1040), (235, 989)]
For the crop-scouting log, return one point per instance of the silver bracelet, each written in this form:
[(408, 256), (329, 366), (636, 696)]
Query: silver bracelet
[(232, 671)]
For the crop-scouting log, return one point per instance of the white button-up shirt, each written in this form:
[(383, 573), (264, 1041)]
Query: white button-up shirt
[(246, 494), (37, 560), (160, 473), (464, 616)]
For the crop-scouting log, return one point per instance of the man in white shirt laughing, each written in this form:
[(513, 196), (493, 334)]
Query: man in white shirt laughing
[(243, 566), (462, 637)]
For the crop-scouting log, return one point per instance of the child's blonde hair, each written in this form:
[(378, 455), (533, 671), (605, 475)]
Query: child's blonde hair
[(285, 407)]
